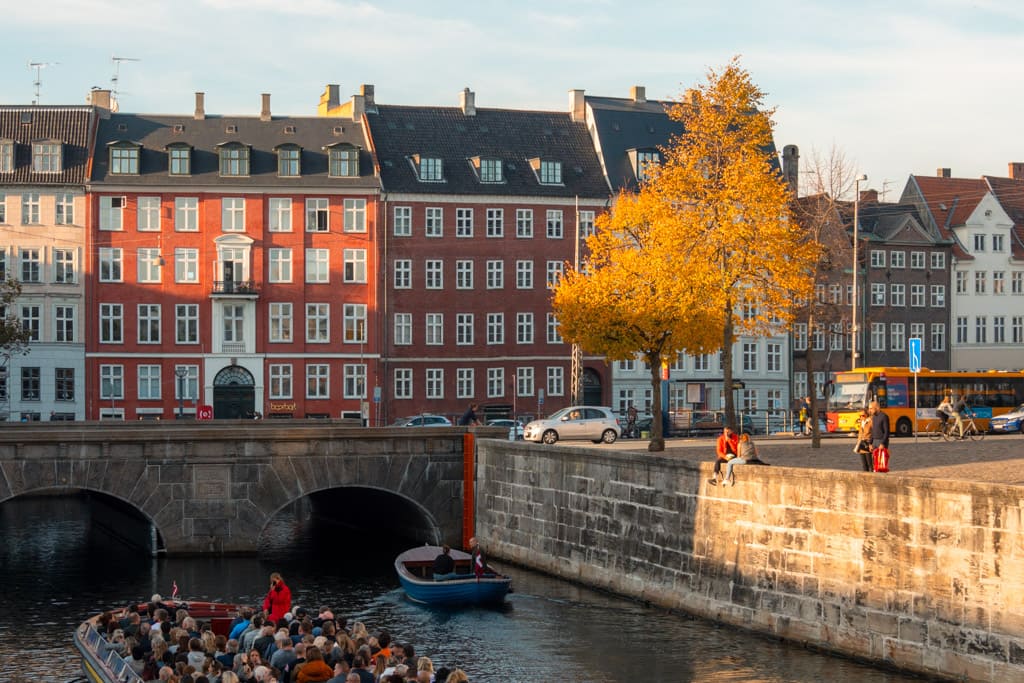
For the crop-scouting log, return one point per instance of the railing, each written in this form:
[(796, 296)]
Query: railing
[(102, 659), (232, 347), (247, 287)]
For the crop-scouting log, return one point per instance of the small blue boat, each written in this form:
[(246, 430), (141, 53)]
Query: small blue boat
[(415, 570)]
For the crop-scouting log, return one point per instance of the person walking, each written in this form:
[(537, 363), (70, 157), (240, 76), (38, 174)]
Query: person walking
[(469, 418), (879, 427), (863, 447)]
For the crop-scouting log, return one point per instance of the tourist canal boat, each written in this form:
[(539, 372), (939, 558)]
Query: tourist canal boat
[(101, 663), (415, 569)]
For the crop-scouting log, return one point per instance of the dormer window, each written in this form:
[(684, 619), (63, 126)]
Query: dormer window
[(428, 169), (488, 170), (343, 161), (548, 171), (6, 156), (179, 159), (46, 156), (234, 159), (644, 161), (124, 158), (289, 159)]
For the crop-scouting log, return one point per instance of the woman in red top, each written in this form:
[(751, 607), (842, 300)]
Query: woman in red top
[(279, 598), (725, 449)]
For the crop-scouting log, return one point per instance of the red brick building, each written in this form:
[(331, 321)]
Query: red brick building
[(480, 214), (231, 263)]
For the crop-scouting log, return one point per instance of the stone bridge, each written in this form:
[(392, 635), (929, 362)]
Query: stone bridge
[(213, 487)]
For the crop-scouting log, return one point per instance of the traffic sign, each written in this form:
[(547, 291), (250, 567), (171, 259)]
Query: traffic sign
[(915, 354), (204, 412)]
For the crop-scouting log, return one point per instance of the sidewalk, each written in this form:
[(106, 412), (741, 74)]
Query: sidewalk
[(995, 459)]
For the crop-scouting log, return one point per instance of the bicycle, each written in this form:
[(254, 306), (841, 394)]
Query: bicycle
[(947, 430)]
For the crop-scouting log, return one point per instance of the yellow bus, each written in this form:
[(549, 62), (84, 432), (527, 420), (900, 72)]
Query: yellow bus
[(986, 394)]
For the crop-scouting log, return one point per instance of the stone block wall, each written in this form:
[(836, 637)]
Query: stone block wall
[(926, 575)]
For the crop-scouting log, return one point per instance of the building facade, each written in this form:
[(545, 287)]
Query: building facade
[(44, 154), (482, 211), (231, 267)]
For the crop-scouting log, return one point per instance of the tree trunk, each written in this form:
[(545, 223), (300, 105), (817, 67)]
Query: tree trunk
[(812, 392), (657, 443), (730, 404)]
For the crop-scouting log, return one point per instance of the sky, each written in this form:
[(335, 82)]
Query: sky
[(897, 88)]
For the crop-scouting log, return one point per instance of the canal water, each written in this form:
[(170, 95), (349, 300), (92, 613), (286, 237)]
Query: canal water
[(57, 569)]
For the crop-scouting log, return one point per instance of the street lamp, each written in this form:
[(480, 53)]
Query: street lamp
[(856, 266), (181, 372)]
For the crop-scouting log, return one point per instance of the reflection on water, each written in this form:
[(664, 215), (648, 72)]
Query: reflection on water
[(57, 571)]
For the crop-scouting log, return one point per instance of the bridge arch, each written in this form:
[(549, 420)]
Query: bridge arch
[(213, 488)]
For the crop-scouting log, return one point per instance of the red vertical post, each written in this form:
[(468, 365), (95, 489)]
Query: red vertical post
[(468, 487)]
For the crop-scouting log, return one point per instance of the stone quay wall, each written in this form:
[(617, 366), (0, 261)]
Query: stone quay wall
[(925, 575)]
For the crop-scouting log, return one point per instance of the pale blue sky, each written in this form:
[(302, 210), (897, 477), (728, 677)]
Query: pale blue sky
[(900, 87)]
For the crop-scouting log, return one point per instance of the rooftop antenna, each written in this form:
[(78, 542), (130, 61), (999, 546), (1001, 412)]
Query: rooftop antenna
[(117, 72), (38, 83)]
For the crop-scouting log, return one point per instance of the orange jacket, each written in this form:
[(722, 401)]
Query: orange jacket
[(726, 445)]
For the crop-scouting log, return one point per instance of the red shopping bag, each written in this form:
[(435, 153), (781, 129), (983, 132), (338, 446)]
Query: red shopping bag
[(880, 457)]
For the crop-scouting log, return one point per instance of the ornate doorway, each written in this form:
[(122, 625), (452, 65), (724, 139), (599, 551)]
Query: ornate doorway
[(234, 394), (591, 382)]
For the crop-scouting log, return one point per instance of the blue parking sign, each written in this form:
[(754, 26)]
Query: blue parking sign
[(915, 354)]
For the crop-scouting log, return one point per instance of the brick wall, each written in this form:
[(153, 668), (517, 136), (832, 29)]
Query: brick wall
[(922, 574)]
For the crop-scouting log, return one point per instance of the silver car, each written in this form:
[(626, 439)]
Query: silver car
[(596, 423), (423, 421)]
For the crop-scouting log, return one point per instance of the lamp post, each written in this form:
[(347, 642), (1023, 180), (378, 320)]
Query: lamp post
[(181, 372), (856, 267)]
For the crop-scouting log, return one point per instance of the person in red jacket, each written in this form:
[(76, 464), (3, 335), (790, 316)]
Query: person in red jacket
[(279, 598), (726, 449)]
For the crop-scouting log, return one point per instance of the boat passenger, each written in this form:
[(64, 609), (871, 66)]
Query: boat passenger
[(315, 670), (444, 565), (196, 655), (279, 598)]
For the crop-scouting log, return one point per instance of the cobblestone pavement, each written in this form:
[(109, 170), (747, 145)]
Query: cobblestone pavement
[(995, 459)]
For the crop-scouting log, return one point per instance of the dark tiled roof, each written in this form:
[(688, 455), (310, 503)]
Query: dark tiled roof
[(26, 124), (1010, 193), (156, 132), (884, 222), (621, 124), (513, 136)]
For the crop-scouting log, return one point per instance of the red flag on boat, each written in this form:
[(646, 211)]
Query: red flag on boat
[(174, 589), (478, 565)]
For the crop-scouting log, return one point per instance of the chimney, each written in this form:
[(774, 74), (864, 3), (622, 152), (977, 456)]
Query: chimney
[(358, 107), (1017, 170), (690, 96), (265, 111), (200, 102), (870, 196), (638, 94), (791, 167), (330, 98), (467, 102), (942, 172), (366, 90), (577, 105), (99, 98)]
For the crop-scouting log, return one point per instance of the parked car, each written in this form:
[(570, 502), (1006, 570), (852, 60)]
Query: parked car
[(596, 423), (515, 428), (711, 423), (1008, 422), (423, 421)]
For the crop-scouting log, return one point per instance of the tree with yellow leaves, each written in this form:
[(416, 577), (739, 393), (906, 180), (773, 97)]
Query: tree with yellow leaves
[(639, 293), (704, 252)]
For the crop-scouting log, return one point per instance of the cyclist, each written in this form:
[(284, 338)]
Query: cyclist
[(958, 414), (945, 411)]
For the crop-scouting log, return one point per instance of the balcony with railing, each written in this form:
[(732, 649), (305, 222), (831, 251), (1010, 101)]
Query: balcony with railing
[(246, 289)]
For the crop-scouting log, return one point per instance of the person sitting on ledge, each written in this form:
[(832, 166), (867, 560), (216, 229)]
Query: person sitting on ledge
[(444, 565)]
